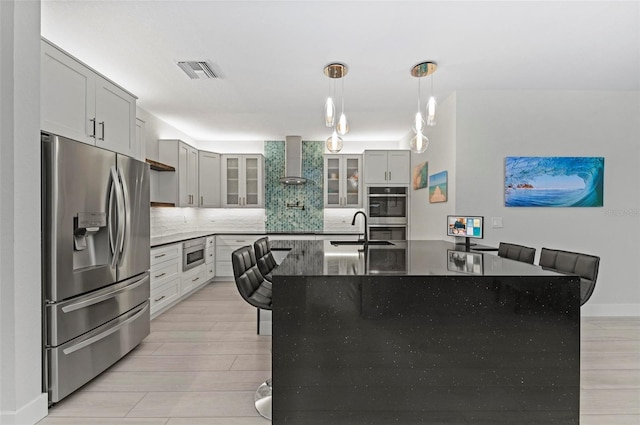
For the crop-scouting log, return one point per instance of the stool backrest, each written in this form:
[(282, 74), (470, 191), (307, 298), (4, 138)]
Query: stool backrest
[(517, 252), (584, 265), (264, 257), (247, 275)]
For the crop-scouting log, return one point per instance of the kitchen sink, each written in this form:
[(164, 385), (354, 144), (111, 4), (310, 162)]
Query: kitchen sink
[(336, 243)]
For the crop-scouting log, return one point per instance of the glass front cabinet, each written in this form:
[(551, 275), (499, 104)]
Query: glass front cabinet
[(242, 181), (342, 181)]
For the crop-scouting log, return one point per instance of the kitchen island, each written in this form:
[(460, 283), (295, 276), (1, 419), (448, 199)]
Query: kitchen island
[(421, 332)]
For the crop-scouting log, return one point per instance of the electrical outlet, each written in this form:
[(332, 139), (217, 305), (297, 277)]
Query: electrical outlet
[(496, 222)]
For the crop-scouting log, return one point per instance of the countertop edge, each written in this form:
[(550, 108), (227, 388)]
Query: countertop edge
[(177, 238)]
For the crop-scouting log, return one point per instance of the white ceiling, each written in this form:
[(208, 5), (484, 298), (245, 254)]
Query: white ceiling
[(272, 54)]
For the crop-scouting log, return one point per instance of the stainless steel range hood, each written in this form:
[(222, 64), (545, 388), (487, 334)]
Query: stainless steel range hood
[(293, 161)]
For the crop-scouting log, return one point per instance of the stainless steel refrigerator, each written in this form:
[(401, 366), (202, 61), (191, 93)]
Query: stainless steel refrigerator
[(95, 218)]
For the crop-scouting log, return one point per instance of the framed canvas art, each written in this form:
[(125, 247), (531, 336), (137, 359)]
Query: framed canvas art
[(420, 173), (438, 187), (553, 181)]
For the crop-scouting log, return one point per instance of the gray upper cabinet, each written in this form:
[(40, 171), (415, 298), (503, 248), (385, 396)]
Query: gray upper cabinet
[(78, 103), (342, 181), (209, 179), (242, 181), (387, 167), (184, 182)]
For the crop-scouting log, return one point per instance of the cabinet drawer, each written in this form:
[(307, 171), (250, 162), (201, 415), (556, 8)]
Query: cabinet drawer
[(193, 278), (165, 295), (164, 271), (209, 255), (211, 271), (236, 240), (165, 253)]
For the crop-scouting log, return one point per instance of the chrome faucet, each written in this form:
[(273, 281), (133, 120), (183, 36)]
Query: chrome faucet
[(353, 223)]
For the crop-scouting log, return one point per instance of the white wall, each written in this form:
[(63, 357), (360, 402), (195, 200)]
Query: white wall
[(21, 397), (155, 129), (493, 125), (428, 221)]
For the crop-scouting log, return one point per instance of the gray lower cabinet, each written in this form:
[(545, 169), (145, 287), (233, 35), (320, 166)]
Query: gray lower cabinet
[(169, 284)]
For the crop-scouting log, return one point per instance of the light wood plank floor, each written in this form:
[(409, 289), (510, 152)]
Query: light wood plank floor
[(203, 361)]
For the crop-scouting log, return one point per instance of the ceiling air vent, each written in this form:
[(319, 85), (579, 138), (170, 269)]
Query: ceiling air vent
[(199, 70)]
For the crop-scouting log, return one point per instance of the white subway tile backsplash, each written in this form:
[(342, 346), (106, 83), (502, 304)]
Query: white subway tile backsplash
[(339, 220), (169, 221)]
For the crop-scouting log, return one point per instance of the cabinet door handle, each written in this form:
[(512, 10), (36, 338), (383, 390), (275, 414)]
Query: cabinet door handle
[(159, 275), (93, 133), (385, 176), (202, 200), (102, 124), (389, 175), (161, 298), (159, 256), (193, 280)]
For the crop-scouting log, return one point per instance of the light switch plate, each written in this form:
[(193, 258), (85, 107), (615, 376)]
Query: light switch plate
[(496, 222)]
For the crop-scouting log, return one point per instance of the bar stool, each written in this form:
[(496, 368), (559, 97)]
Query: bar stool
[(264, 257), (584, 265), (516, 252), (257, 291)]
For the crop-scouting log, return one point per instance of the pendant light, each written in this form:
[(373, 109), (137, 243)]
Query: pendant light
[(343, 125), (329, 108), (334, 142), (420, 142), (432, 105)]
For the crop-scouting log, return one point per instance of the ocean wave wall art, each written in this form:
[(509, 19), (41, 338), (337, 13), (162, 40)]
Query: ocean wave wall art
[(553, 181)]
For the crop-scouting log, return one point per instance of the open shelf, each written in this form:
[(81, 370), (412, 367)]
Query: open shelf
[(159, 166)]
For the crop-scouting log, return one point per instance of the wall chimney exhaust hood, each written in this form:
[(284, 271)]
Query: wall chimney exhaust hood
[(293, 161)]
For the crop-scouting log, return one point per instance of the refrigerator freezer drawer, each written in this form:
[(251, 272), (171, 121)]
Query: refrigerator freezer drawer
[(72, 318), (75, 363)]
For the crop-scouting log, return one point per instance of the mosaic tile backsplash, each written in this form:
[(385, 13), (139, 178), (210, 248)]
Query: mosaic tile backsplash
[(281, 218)]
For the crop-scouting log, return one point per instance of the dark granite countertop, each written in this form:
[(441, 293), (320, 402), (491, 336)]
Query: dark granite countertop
[(410, 258), (184, 236)]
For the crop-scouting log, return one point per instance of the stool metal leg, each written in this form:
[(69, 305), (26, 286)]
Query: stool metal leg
[(262, 399)]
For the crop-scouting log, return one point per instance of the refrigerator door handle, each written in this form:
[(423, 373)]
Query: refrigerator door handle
[(104, 334), (126, 210), (112, 242), (120, 213), (100, 298)]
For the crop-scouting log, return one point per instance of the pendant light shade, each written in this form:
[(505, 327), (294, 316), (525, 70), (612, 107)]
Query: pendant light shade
[(329, 112), (419, 143), (431, 111), (342, 127), (334, 143), (418, 123)]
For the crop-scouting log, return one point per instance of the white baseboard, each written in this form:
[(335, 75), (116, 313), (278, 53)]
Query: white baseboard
[(599, 310), (29, 414)]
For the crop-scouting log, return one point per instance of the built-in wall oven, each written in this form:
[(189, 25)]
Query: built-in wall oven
[(388, 233), (387, 209), (193, 253)]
